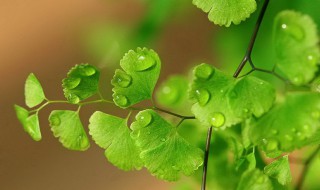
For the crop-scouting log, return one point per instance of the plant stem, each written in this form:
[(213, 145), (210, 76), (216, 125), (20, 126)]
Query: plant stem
[(306, 168), (174, 114), (205, 162), (247, 56)]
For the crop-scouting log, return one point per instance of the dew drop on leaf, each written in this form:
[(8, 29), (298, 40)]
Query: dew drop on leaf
[(122, 79), (55, 121), (120, 100), (72, 83), (87, 70), (170, 93), (217, 119), (204, 71), (144, 63), (293, 30), (203, 96), (72, 98), (307, 130), (272, 145), (144, 119), (298, 79)]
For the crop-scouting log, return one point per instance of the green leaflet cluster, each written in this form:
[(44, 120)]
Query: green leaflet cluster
[(225, 12), (222, 101), (275, 123), (296, 44), (150, 141)]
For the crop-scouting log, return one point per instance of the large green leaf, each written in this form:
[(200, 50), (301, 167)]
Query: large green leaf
[(81, 83), (255, 180), (30, 123), (225, 12), (135, 83), (296, 43), (164, 152), (33, 91), (222, 101), (280, 170), (66, 126), (288, 125), (112, 134)]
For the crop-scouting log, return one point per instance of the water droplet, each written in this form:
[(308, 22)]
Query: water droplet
[(120, 100), (315, 114), (144, 118), (293, 30), (217, 119), (204, 71), (84, 142), (55, 121), (221, 90), (121, 79), (88, 71), (288, 137), (203, 96), (72, 98), (312, 58), (72, 83), (272, 145), (274, 131), (163, 139), (261, 83), (144, 63), (307, 130), (293, 129), (298, 80)]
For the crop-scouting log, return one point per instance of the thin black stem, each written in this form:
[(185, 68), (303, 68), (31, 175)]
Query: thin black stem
[(306, 168), (174, 114), (205, 162), (247, 56)]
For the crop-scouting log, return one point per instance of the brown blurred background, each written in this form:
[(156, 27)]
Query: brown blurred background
[(45, 37)]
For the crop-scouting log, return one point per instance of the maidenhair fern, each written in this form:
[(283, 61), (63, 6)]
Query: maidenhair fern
[(246, 114)]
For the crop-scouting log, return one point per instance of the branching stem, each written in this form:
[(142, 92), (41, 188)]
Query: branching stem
[(205, 162), (247, 57), (306, 168)]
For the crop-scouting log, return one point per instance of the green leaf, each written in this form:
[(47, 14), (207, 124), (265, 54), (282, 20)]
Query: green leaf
[(66, 126), (164, 152), (82, 82), (138, 78), (225, 12), (251, 95), (173, 92), (222, 101), (280, 170), (247, 162), (30, 123), (288, 125), (33, 91), (112, 134), (296, 43), (255, 180)]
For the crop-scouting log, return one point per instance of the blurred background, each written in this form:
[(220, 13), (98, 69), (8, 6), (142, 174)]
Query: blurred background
[(49, 37)]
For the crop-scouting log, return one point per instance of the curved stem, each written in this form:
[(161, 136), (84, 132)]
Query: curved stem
[(205, 162), (306, 168), (174, 114), (247, 56)]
